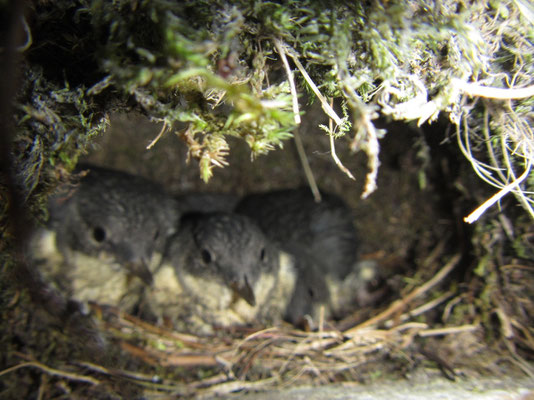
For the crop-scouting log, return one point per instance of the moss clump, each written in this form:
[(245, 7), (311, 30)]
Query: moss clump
[(209, 69)]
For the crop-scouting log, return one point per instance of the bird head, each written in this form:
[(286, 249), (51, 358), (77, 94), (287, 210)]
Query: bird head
[(115, 215), (231, 249)]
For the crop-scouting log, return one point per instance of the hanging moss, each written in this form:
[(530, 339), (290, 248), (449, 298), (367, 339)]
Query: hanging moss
[(210, 70)]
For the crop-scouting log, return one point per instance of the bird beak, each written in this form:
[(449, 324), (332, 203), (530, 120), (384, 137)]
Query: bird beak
[(140, 269), (243, 289)]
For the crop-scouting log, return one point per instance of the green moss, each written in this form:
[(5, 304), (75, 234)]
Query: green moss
[(208, 70)]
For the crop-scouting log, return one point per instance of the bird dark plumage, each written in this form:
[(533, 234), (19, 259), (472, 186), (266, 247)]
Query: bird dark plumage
[(321, 236), (226, 273), (293, 217), (111, 212), (223, 247), (311, 291)]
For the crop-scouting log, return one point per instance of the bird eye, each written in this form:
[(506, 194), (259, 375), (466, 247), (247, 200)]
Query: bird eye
[(206, 256), (311, 293), (99, 234), (262, 254), (156, 234)]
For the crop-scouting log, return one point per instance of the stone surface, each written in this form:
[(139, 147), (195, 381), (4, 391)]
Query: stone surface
[(207, 202), (435, 389)]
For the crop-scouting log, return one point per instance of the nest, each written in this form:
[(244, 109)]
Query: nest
[(255, 359), (408, 63)]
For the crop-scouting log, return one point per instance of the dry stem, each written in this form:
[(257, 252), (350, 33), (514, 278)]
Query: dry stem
[(52, 371), (328, 109), (474, 89), (498, 196), (402, 303), (160, 134), (296, 113), (333, 148)]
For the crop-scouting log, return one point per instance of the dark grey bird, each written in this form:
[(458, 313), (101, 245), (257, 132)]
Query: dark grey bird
[(105, 229), (115, 214), (320, 235), (221, 270), (293, 217), (312, 291)]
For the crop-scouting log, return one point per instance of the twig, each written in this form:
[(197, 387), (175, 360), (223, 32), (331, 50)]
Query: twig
[(448, 330), (316, 371), (160, 134), (480, 169), (526, 154), (512, 128), (255, 335), (229, 387), (370, 340), (489, 147), (493, 158), (518, 360), (506, 324), (165, 359), (294, 378), (289, 73), (475, 215), (327, 108), (139, 352), (42, 386), (366, 135), (337, 160), (400, 304), (420, 310), (450, 305), (296, 115), (383, 316), (333, 148), (474, 89), (189, 360), (410, 326), (294, 352), (324, 103), (136, 376), (189, 340), (525, 337), (210, 381), (52, 371), (306, 166)]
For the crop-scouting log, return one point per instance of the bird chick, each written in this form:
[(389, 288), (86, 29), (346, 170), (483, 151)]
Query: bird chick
[(292, 216), (117, 215), (106, 230), (220, 270), (311, 293), (82, 277), (320, 235)]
